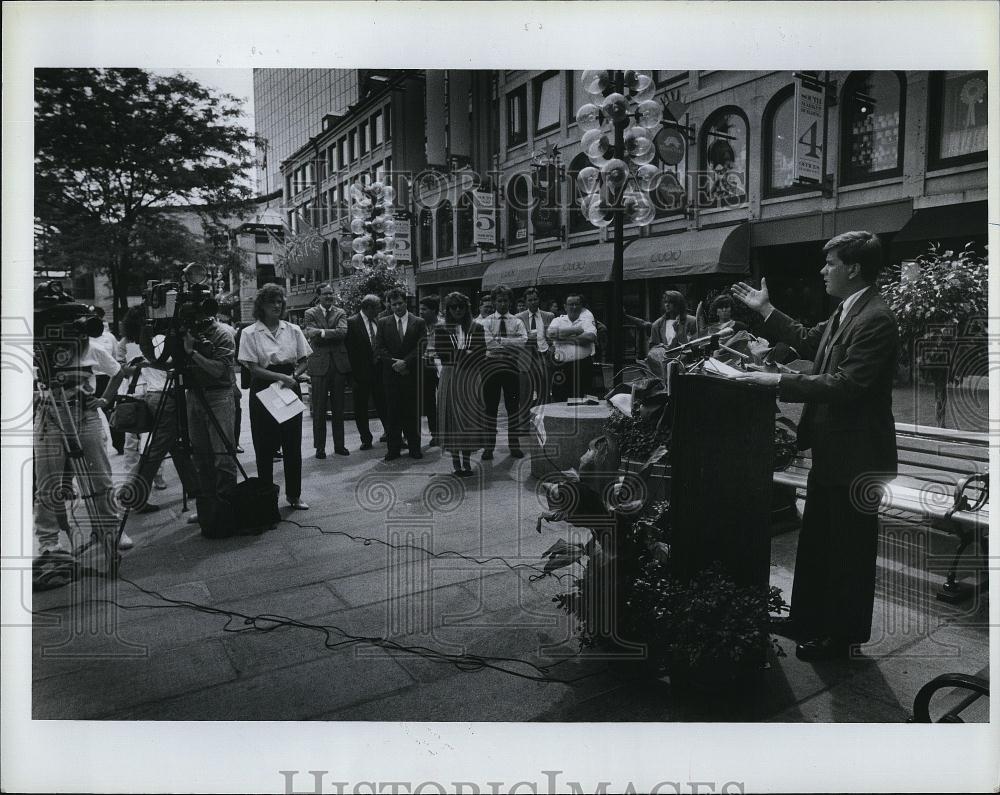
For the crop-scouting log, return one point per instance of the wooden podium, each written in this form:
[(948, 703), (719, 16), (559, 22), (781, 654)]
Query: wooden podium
[(722, 453)]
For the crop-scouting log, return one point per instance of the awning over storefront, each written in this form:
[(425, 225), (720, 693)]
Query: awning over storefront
[(577, 265), (877, 218), (458, 273), (514, 271), (696, 252), (945, 222), (821, 226)]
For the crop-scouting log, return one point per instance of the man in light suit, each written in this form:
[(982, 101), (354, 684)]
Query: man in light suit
[(535, 386), (325, 326), (365, 368), (847, 421), (398, 345)]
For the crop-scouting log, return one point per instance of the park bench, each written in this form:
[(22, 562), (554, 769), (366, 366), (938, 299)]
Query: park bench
[(966, 699), (943, 481)]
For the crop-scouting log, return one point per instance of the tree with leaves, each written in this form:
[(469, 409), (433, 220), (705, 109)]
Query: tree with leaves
[(940, 304), (114, 148), (376, 279)]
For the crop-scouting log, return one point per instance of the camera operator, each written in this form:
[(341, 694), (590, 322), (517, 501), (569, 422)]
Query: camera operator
[(66, 418), (165, 437), (209, 350)]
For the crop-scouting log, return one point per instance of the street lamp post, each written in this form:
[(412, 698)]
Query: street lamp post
[(616, 187)]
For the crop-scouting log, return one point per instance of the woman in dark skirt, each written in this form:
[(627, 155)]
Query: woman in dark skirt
[(275, 350), (460, 344)]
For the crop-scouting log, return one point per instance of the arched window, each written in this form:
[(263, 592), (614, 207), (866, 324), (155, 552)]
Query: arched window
[(958, 110), (466, 224), (873, 106), (779, 145), (577, 220), (445, 230), (724, 141), (426, 235)]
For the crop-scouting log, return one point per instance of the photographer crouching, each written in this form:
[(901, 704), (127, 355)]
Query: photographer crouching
[(209, 350)]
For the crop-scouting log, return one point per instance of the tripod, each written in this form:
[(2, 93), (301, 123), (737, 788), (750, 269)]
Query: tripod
[(177, 388)]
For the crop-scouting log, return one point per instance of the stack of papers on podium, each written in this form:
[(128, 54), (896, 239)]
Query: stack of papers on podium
[(281, 402), (715, 367)]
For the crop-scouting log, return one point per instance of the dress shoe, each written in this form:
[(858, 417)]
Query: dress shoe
[(433, 442), (298, 505), (516, 452), (365, 446), (823, 649), (342, 451), (192, 519), (391, 456), (416, 454), (487, 455), (404, 445), (240, 449), (383, 439), (278, 456), (148, 508), (464, 473), (321, 454)]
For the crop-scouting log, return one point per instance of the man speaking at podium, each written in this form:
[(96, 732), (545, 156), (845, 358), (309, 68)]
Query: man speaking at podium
[(847, 422)]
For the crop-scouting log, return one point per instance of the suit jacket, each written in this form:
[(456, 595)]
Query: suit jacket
[(361, 349), (847, 419), (685, 331), (328, 350), (547, 317), (389, 346)]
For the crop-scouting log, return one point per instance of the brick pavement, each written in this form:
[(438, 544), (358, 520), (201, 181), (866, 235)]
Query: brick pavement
[(490, 631)]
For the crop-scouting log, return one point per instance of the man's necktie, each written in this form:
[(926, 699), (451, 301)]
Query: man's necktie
[(503, 326), (399, 327), (532, 338)]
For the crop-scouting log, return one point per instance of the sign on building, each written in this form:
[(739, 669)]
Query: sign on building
[(485, 218), (404, 247), (809, 129)]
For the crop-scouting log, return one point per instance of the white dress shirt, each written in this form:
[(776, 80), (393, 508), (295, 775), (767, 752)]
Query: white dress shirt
[(572, 348), (539, 333), (515, 335)]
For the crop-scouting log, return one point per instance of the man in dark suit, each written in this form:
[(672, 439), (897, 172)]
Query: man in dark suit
[(325, 326), (398, 346), (535, 386), (847, 421), (367, 384)]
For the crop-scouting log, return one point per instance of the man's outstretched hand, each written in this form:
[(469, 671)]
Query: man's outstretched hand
[(755, 299)]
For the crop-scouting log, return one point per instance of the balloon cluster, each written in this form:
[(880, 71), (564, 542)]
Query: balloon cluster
[(372, 225), (611, 181)]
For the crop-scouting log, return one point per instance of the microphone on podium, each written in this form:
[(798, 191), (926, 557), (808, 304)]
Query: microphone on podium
[(709, 340)]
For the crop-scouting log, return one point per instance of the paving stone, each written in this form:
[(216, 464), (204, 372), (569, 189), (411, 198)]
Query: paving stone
[(116, 686), (297, 692)]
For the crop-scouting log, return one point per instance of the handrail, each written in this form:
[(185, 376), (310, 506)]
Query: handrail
[(922, 703)]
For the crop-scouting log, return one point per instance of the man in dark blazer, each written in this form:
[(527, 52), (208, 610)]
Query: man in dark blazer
[(325, 327), (362, 332), (538, 351), (398, 346), (847, 422)]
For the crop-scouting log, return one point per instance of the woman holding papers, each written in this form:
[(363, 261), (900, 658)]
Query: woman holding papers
[(275, 352)]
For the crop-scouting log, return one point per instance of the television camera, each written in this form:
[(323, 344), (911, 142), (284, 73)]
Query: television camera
[(175, 308)]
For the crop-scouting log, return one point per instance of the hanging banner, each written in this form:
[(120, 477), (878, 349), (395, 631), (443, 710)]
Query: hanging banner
[(404, 250), (809, 130), (485, 219)]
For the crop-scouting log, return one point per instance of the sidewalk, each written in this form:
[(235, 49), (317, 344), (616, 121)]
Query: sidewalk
[(394, 634)]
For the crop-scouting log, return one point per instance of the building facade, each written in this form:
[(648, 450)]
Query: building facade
[(289, 106), (373, 140), (905, 157)]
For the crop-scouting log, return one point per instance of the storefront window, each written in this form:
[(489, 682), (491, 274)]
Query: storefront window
[(445, 230), (577, 220), (466, 224), (518, 201), (779, 129), (872, 126), (723, 179), (959, 103), (426, 235)]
